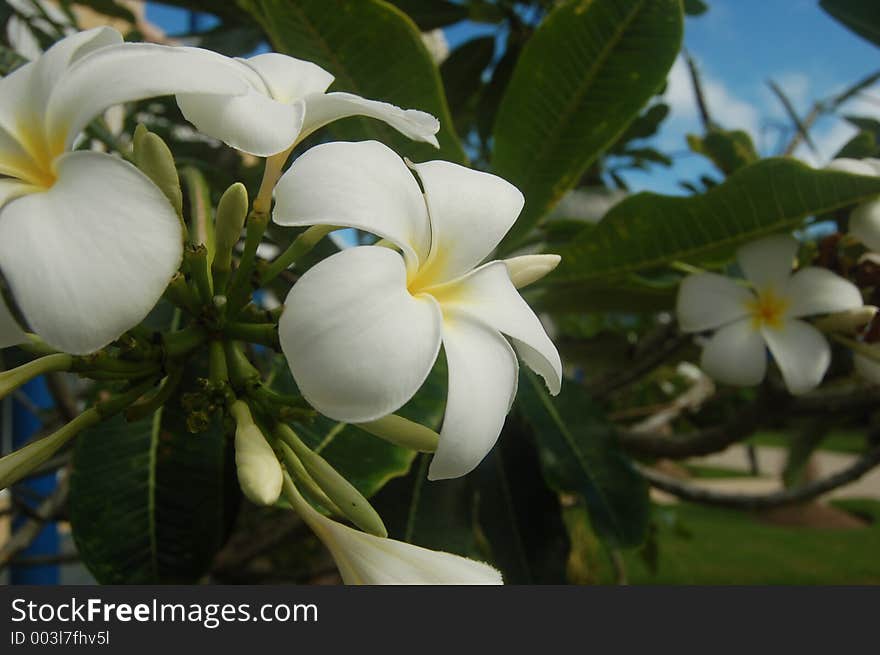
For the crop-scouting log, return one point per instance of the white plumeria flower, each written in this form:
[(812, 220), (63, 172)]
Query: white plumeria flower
[(864, 221), (766, 313), (87, 242), (365, 559), (362, 329), (286, 102)]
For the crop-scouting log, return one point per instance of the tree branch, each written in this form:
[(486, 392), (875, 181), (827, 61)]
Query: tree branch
[(807, 492)]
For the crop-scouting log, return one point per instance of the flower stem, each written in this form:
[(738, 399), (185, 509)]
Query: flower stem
[(864, 349), (159, 398), (183, 341), (13, 379), (301, 246), (197, 261), (242, 373), (240, 287), (262, 333), (16, 465), (217, 371), (179, 294)]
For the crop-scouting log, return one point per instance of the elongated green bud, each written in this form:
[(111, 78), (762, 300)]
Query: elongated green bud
[(229, 222), (18, 464), (298, 471), (348, 499), (259, 472), (153, 157), (403, 432), (850, 321), (13, 379)]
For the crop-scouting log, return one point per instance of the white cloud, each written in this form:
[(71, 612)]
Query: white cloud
[(724, 106)]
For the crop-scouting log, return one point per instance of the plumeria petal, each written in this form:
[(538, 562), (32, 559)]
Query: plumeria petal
[(11, 189), (253, 123), (75, 299), (482, 384), (864, 224), (26, 91), (367, 559), (358, 344), (767, 262), (470, 212), (324, 108), (288, 79), (708, 300), (363, 185), (133, 71), (801, 352), (488, 296), (10, 332), (15, 161), (814, 290), (736, 355)]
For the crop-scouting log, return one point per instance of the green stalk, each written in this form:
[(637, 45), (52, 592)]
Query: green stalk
[(262, 333), (197, 261), (403, 432), (301, 246), (183, 341), (18, 464), (242, 373), (240, 287), (13, 379), (179, 294)]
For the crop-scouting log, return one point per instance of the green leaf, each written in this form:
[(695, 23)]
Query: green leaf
[(581, 79), (431, 14), (579, 455), (519, 515), (648, 230), (151, 503), (695, 7), (588, 297), (861, 17), (463, 69), (437, 515), (863, 144), (729, 150), (375, 51)]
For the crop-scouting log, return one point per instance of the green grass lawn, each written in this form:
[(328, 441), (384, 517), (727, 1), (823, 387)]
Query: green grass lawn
[(708, 545)]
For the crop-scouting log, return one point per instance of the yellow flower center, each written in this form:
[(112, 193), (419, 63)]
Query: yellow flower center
[(767, 309), (38, 169)]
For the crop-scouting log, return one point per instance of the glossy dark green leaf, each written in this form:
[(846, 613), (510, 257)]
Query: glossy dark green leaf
[(581, 79), (463, 69), (860, 16), (375, 51), (431, 14), (648, 230), (519, 515), (151, 503), (695, 7), (579, 455), (439, 515)]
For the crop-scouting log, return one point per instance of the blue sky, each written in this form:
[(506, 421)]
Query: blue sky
[(739, 45)]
